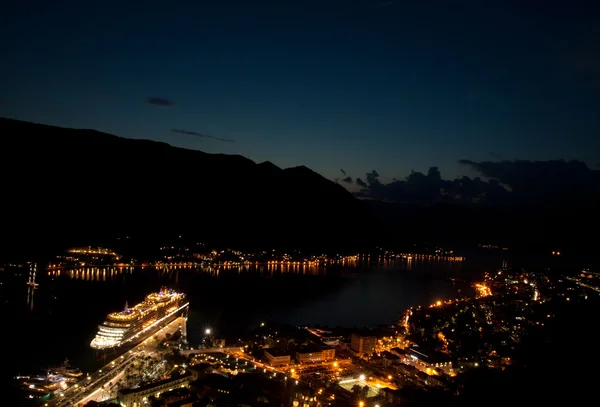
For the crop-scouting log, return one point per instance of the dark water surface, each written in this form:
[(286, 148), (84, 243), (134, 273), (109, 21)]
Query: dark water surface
[(59, 318)]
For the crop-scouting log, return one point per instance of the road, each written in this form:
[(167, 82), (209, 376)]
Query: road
[(232, 350), (327, 363), (291, 371), (97, 385)]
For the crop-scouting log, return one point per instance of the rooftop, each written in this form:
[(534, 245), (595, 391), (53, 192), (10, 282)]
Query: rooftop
[(389, 355), (428, 355), (311, 348), (276, 352), (178, 392), (215, 381), (364, 334), (180, 403)]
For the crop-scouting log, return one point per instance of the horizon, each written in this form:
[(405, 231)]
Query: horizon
[(501, 182)]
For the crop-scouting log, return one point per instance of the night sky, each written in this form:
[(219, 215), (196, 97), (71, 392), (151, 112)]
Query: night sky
[(355, 85)]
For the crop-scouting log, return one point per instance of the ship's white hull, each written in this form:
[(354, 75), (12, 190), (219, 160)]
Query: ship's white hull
[(101, 343)]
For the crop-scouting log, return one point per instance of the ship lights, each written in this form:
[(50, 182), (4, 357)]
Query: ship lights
[(122, 327)]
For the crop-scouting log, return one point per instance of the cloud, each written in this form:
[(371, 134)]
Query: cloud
[(361, 183), (372, 178), (193, 133), (346, 178), (159, 102), (508, 182), (534, 181), (495, 155)]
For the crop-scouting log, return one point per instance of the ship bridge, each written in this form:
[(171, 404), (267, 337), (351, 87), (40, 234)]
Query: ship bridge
[(163, 295)]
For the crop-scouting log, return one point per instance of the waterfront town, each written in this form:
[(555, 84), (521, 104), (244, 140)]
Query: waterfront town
[(198, 254), (424, 354), (301, 203)]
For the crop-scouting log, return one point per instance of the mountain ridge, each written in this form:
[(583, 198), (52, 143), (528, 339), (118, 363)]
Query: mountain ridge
[(83, 184), (67, 186)]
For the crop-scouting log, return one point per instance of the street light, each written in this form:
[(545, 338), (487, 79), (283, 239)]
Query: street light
[(207, 331)]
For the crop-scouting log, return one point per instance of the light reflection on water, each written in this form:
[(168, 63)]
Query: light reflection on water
[(110, 273), (352, 292), (61, 315)]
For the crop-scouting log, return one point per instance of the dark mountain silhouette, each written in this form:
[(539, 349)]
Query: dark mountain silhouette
[(525, 229), (63, 186)]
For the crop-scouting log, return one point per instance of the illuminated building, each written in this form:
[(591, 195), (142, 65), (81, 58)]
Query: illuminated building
[(314, 354), (139, 396), (363, 344), (158, 309), (429, 359), (277, 357)]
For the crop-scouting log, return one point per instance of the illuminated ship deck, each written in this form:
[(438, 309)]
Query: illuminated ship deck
[(128, 325)]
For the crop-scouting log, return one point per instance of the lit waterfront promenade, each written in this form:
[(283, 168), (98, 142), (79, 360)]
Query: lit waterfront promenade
[(96, 386)]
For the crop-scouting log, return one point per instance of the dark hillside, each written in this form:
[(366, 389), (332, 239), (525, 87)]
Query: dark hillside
[(62, 186)]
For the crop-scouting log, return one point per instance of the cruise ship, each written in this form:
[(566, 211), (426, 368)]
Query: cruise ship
[(131, 325)]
